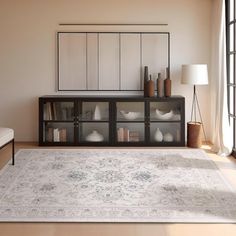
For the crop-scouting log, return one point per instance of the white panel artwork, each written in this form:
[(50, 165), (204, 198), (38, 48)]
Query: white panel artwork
[(154, 53), (109, 61), (92, 61), (72, 61), (130, 67)]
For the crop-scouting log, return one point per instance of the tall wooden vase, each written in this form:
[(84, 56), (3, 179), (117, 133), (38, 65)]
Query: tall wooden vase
[(167, 87), (167, 84), (160, 83), (150, 88)]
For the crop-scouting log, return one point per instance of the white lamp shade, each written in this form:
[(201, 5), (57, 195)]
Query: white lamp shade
[(195, 74)]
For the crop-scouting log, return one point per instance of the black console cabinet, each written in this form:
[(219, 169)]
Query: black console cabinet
[(111, 121)]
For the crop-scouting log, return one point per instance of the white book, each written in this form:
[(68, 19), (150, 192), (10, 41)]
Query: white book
[(56, 135), (120, 135), (49, 112), (126, 135), (45, 112)]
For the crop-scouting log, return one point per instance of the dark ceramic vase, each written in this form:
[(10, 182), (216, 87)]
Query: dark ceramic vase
[(167, 84), (145, 85), (160, 86), (167, 87)]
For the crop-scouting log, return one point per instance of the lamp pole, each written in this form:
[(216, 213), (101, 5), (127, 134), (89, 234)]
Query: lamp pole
[(193, 112), (195, 107)]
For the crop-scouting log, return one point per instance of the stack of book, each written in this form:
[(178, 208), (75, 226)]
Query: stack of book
[(125, 135), (134, 136), (56, 135)]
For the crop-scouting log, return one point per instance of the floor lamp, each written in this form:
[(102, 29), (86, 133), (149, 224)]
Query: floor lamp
[(195, 74)]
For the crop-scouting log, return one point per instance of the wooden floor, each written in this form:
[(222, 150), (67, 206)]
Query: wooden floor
[(227, 166)]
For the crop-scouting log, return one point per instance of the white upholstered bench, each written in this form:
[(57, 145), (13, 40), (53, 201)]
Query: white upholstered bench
[(7, 137)]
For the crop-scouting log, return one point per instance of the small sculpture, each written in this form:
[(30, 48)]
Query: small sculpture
[(97, 113), (162, 115), (130, 115)]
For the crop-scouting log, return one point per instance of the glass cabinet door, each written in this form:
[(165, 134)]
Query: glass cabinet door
[(130, 122), (165, 123), (94, 122), (130, 132), (58, 111), (94, 111), (58, 122), (130, 111), (161, 133), (94, 132), (165, 111), (59, 132)]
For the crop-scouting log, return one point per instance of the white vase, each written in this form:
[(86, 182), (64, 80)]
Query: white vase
[(168, 137), (158, 136), (97, 113), (94, 136)]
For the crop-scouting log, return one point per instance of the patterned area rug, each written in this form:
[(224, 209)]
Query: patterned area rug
[(99, 185)]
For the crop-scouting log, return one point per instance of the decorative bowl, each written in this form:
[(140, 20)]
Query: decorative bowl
[(163, 115), (130, 115), (94, 136)]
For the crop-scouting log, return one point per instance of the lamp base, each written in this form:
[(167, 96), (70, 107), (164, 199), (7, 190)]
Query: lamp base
[(194, 139)]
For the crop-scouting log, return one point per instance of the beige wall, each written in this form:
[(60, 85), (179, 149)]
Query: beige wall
[(28, 47)]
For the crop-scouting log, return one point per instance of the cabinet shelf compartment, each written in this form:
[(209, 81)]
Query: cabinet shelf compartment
[(58, 111), (171, 128), (94, 130), (130, 132), (58, 132), (94, 111), (165, 111), (130, 111)]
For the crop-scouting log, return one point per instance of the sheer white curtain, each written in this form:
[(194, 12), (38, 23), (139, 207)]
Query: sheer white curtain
[(222, 133)]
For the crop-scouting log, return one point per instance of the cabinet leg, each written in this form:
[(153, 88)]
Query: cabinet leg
[(13, 152)]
